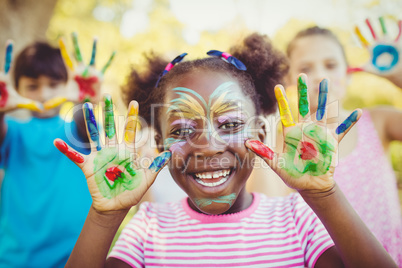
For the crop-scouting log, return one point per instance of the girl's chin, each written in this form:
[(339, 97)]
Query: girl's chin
[(212, 206)]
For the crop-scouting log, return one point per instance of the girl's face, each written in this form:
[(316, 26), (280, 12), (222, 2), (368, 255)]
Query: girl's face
[(208, 120), (319, 57)]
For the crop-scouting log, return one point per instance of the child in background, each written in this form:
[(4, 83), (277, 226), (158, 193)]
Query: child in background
[(207, 120), (44, 198), (364, 173)]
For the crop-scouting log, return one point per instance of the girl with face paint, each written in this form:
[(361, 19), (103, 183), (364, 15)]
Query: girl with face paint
[(209, 131), (364, 172)]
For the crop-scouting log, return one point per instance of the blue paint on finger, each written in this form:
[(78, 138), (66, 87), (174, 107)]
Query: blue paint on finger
[(322, 99), (9, 52), (347, 123), (160, 161), (91, 125)]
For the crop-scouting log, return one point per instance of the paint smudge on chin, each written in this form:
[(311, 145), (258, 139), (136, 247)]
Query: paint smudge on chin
[(203, 202)]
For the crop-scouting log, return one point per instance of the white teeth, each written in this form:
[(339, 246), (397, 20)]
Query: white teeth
[(212, 184), (214, 174)]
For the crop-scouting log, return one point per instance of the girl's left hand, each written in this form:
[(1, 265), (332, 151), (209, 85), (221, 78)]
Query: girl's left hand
[(310, 147), (385, 53), (85, 81)]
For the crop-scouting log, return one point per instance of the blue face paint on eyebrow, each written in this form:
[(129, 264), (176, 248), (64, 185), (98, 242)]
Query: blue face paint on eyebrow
[(322, 99), (385, 49), (91, 125), (347, 123)]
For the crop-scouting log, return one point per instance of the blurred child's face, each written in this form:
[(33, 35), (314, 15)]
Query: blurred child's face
[(42, 89), (319, 57), (208, 120)]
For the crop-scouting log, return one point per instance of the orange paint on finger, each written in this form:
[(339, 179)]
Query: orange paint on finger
[(73, 156)]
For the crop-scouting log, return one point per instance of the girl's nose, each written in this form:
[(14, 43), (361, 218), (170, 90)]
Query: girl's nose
[(209, 143)]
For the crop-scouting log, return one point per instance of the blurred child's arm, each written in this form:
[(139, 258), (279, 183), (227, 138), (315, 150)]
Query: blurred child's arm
[(385, 53), (115, 180), (307, 165)]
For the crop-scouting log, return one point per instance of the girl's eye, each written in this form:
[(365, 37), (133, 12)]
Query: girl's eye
[(32, 87), (331, 65), (304, 70), (230, 125), (183, 132)]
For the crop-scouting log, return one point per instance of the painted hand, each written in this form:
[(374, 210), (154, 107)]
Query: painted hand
[(385, 53), (116, 179), (310, 147), (85, 80), (9, 98)]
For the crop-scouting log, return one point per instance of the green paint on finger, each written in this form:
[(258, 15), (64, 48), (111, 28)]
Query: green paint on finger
[(77, 50), (109, 118), (303, 99)]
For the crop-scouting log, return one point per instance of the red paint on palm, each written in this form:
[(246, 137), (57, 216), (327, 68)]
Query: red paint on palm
[(261, 149), (308, 151), (86, 86), (113, 173), (3, 94), (74, 156)]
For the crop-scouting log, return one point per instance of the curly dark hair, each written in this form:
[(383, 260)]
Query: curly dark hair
[(266, 67)]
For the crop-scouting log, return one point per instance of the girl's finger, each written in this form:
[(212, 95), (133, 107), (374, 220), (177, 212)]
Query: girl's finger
[(371, 29), (72, 154), (54, 102), (92, 128), (156, 166), (383, 27), (284, 109), (9, 55), (322, 100), (399, 31), (93, 55), (65, 55), (25, 103), (349, 122), (131, 125), (110, 128), (304, 107), (361, 37), (262, 151), (77, 50), (108, 62)]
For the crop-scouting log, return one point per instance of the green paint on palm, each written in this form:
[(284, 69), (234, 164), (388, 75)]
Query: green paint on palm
[(109, 117), (77, 50), (302, 92), (129, 178), (319, 165), (203, 202)]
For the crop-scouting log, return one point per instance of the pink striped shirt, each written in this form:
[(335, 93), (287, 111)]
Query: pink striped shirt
[(272, 232)]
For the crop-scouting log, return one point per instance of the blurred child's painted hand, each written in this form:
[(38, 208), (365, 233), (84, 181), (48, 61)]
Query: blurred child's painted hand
[(116, 179), (85, 80), (385, 53), (9, 98), (310, 147)]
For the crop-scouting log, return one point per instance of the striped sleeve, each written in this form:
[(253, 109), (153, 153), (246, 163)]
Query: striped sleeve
[(129, 247), (314, 237)]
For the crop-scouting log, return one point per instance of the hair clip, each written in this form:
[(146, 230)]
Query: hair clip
[(170, 66), (228, 58)]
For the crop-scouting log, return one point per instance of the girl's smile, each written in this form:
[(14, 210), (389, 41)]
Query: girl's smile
[(208, 119)]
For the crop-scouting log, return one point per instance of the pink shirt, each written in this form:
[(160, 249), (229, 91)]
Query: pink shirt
[(272, 232), (368, 182)]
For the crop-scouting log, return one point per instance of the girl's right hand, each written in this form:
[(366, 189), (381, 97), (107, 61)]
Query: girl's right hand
[(9, 98), (116, 179)]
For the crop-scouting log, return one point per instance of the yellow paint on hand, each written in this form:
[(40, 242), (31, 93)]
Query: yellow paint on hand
[(284, 109), (30, 106), (52, 103), (64, 54), (361, 37), (131, 126)]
